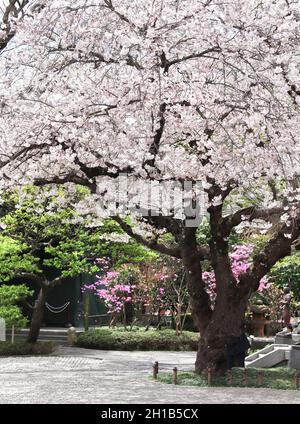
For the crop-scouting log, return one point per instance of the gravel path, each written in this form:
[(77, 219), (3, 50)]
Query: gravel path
[(75, 375)]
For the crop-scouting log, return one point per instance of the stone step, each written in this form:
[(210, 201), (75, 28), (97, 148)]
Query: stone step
[(58, 331), (58, 335), (270, 357), (57, 339)]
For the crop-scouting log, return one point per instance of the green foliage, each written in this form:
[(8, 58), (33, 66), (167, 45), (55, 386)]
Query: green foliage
[(108, 339), (129, 275), (10, 296), (271, 297), (287, 272), (259, 241), (13, 316), (203, 234), (235, 238), (14, 258), (130, 252), (24, 348), (42, 228)]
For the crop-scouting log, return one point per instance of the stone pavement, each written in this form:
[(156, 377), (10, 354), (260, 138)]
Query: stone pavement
[(75, 375)]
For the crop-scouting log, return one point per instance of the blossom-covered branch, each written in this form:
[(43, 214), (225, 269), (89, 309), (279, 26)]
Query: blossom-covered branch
[(249, 214), (12, 11)]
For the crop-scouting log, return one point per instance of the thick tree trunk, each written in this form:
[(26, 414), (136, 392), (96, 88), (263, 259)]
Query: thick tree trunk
[(199, 299), (226, 321), (38, 315)]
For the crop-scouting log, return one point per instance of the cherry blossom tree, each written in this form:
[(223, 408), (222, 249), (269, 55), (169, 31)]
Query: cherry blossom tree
[(12, 12), (166, 91)]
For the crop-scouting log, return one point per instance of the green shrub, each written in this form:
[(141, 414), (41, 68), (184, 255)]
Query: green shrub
[(10, 297), (287, 272), (24, 348), (108, 339)]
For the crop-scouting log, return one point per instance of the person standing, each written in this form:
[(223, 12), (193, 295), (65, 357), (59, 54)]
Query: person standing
[(286, 314), (236, 351)]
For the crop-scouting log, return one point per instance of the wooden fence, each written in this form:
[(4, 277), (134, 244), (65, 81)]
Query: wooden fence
[(244, 377)]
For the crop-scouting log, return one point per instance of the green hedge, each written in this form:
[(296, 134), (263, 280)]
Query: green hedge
[(24, 348), (108, 339)]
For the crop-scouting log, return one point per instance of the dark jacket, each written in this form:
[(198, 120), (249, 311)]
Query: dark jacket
[(238, 345)]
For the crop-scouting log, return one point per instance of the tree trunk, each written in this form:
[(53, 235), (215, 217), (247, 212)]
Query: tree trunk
[(199, 299), (226, 321), (37, 316)]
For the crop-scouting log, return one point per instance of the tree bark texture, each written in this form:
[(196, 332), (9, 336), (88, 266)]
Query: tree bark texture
[(38, 315)]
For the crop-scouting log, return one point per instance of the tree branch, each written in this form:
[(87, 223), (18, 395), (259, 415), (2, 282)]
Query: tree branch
[(29, 276), (277, 248), (153, 150), (249, 214), (12, 10), (56, 281), (165, 63), (151, 244)]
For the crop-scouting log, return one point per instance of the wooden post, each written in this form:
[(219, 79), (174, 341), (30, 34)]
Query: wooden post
[(260, 378), (209, 376), (229, 378), (296, 381), (174, 375), (245, 377), (86, 310), (155, 370), (12, 334)]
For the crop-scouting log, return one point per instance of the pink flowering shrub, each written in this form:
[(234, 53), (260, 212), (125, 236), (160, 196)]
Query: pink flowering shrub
[(240, 263), (163, 291), (114, 294), (157, 289), (116, 289)]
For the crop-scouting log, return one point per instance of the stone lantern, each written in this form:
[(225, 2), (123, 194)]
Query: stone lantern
[(259, 320)]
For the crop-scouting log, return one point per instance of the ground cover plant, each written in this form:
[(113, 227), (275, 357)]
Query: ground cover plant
[(20, 348), (273, 378), (138, 339)]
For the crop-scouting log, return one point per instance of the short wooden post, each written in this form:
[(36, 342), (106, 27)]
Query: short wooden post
[(229, 378), (260, 378), (296, 381), (13, 334), (86, 310), (245, 377), (174, 375), (155, 370), (209, 376)]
